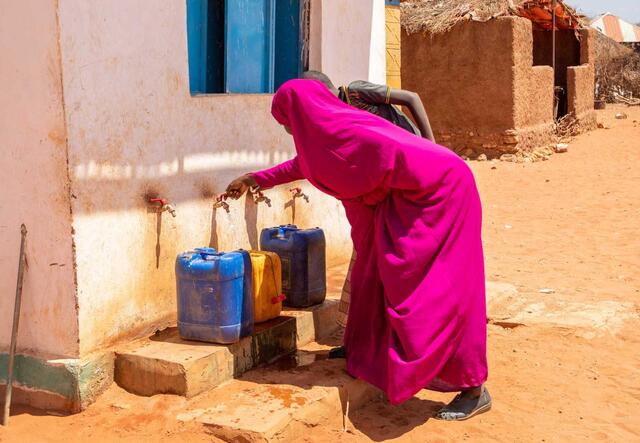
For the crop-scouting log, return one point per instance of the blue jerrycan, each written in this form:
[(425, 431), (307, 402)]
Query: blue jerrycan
[(210, 293), (302, 253)]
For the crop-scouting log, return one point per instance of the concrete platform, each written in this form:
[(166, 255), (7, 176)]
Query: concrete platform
[(281, 403), (166, 364)]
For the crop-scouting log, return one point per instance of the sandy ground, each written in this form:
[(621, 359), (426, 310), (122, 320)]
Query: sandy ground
[(563, 261)]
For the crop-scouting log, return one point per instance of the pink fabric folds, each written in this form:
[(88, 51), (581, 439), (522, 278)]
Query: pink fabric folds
[(417, 317)]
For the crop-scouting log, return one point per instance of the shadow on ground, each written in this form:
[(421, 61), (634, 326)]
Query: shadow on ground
[(374, 417)]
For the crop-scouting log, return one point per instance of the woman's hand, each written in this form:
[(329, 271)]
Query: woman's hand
[(240, 185)]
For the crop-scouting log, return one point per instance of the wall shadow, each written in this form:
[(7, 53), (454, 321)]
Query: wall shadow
[(251, 221), (376, 418), (213, 238), (291, 204), (158, 233)]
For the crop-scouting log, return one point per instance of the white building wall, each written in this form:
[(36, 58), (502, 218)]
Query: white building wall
[(34, 183), (96, 114), (134, 129), (348, 40)]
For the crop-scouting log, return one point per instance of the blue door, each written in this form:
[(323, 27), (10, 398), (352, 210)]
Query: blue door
[(205, 31), (288, 56), (197, 41), (249, 45)]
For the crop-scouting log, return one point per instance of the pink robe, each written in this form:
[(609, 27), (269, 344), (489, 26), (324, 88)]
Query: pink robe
[(417, 317)]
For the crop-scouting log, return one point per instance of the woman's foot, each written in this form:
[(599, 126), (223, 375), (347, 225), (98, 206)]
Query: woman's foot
[(338, 352), (465, 405)]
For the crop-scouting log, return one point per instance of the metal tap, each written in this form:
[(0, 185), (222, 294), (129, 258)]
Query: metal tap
[(297, 193), (258, 197), (163, 205), (221, 202)]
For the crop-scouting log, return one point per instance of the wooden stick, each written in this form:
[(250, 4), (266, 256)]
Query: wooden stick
[(554, 5), (14, 331)]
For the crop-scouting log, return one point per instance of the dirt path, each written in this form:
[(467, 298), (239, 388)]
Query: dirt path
[(563, 258)]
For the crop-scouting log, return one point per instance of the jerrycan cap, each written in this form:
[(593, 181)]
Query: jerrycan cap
[(283, 229)]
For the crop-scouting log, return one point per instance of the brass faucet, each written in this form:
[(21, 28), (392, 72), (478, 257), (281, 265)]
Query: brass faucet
[(163, 205), (221, 202), (297, 193)]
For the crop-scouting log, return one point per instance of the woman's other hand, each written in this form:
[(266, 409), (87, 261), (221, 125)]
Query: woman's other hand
[(240, 185)]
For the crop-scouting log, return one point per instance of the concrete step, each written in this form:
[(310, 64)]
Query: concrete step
[(166, 364), (283, 401)]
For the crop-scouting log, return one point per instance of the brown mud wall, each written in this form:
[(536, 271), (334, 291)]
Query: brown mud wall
[(480, 88), (463, 76)]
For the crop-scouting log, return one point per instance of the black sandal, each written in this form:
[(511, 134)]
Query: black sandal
[(338, 352), (464, 407)]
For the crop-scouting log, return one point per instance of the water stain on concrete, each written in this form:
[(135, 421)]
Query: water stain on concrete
[(287, 396)]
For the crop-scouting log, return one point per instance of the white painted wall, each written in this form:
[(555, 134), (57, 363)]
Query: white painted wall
[(348, 40), (133, 126), (34, 183), (378, 44), (128, 125)]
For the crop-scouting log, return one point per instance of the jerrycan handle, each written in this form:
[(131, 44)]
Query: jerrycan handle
[(283, 229), (278, 299), (205, 252)]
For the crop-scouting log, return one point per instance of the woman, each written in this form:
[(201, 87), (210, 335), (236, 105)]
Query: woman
[(417, 317), (380, 100)]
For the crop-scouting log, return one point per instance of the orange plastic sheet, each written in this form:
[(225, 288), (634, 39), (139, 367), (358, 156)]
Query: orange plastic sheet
[(540, 12)]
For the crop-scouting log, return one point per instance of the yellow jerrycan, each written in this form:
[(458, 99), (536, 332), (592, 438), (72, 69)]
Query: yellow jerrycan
[(267, 285)]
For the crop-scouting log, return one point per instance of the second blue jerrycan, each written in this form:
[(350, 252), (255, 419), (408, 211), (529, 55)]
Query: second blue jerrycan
[(212, 306), (302, 253)]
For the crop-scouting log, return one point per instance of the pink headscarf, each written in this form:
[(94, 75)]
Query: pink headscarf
[(344, 151)]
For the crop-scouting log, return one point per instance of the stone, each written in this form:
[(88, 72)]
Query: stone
[(561, 148), (508, 158), (166, 364), (621, 116), (123, 406), (510, 132), (482, 158), (277, 405), (511, 140)]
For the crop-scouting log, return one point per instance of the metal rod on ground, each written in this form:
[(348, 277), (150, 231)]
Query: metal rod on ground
[(14, 331)]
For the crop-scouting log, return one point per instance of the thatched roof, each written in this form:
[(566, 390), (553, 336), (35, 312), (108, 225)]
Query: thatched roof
[(438, 16)]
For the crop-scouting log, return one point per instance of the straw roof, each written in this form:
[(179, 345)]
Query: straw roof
[(439, 16)]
